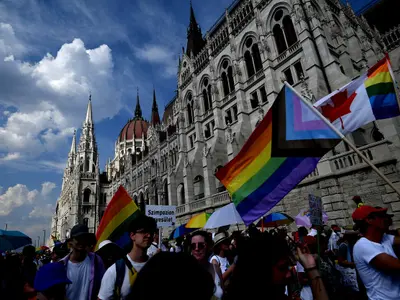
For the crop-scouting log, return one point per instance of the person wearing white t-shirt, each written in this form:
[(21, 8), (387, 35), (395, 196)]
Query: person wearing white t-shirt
[(374, 255), (219, 259), (141, 230)]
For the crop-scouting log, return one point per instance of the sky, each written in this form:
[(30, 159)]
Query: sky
[(53, 54)]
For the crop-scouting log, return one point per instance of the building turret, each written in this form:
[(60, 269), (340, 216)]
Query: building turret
[(195, 41)]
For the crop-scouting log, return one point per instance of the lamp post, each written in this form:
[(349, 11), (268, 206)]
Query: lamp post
[(6, 226), (44, 237), (38, 241)]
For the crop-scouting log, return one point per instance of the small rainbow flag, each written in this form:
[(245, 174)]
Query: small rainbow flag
[(119, 213), (284, 148), (369, 98)]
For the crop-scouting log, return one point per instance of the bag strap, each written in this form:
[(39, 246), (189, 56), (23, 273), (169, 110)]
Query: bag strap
[(120, 275)]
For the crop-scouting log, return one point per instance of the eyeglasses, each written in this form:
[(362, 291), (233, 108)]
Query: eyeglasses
[(199, 246), (144, 231)]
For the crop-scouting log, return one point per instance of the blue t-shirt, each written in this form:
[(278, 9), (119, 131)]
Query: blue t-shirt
[(79, 274)]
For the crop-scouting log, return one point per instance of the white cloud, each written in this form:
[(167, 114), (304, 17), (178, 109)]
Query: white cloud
[(47, 188), (16, 196), (42, 211), (54, 96), (10, 156), (159, 55)]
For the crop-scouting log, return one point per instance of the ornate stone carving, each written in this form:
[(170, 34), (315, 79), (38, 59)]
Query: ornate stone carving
[(196, 104), (230, 135), (305, 91), (206, 150)]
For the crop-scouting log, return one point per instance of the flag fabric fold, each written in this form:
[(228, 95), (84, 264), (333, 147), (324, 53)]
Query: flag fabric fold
[(284, 148), (114, 224), (369, 98)]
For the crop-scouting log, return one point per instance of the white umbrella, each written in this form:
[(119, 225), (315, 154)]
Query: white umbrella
[(226, 215)]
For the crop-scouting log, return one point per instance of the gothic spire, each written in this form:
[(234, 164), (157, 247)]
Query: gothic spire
[(73, 144), (155, 117), (138, 110), (195, 41), (89, 117)]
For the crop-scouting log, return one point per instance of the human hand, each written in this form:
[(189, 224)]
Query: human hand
[(305, 258)]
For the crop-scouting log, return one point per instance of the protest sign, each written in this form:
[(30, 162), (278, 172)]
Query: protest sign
[(163, 214), (315, 210)]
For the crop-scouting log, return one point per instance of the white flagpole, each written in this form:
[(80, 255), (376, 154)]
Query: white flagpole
[(351, 145)]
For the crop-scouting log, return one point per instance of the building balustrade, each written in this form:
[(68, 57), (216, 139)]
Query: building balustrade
[(212, 201)]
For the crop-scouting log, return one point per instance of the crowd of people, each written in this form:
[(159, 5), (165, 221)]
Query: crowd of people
[(321, 263)]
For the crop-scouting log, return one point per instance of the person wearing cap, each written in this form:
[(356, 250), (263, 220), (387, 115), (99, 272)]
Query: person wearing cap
[(374, 255), (222, 242), (109, 253), (85, 269), (119, 278), (50, 282)]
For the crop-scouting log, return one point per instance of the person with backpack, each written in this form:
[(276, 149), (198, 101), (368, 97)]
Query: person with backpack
[(85, 269), (119, 278)]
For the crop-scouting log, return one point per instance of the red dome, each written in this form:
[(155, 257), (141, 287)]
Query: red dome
[(134, 127)]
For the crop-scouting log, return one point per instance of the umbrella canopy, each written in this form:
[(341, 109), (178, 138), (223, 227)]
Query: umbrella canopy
[(180, 231), (226, 215), (198, 221), (303, 218), (275, 220), (11, 240)]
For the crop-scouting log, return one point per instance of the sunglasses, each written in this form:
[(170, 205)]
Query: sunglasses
[(199, 246)]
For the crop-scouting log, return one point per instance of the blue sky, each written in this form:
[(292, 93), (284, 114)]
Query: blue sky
[(52, 55)]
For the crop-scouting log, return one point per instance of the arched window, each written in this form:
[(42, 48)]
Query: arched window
[(284, 32), (252, 57), (227, 78), (141, 202), (87, 165), (198, 185), (190, 109), (166, 200), (86, 195), (207, 99)]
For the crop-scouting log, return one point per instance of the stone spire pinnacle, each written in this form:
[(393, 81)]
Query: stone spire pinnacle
[(73, 144), (138, 110), (89, 117), (195, 41), (155, 117)]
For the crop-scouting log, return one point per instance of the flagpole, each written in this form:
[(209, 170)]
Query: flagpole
[(350, 144)]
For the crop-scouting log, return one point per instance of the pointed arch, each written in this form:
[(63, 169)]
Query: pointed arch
[(283, 30), (86, 195), (165, 192), (226, 71), (205, 87)]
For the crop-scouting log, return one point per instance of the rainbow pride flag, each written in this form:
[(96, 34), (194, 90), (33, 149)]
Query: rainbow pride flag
[(369, 98), (119, 213), (284, 148)]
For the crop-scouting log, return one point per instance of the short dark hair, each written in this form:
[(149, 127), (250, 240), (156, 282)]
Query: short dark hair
[(142, 222), (164, 270), (204, 234)]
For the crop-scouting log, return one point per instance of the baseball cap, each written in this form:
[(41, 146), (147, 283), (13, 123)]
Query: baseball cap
[(50, 275), (364, 211)]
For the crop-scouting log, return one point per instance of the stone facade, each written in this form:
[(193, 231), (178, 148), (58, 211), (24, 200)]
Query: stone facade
[(227, 85)]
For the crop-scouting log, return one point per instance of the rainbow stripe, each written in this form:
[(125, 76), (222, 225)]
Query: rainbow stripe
[(119, 213), (283, 149), (381, 90)]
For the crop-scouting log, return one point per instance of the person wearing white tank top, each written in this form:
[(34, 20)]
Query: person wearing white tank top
[(200, 247)]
